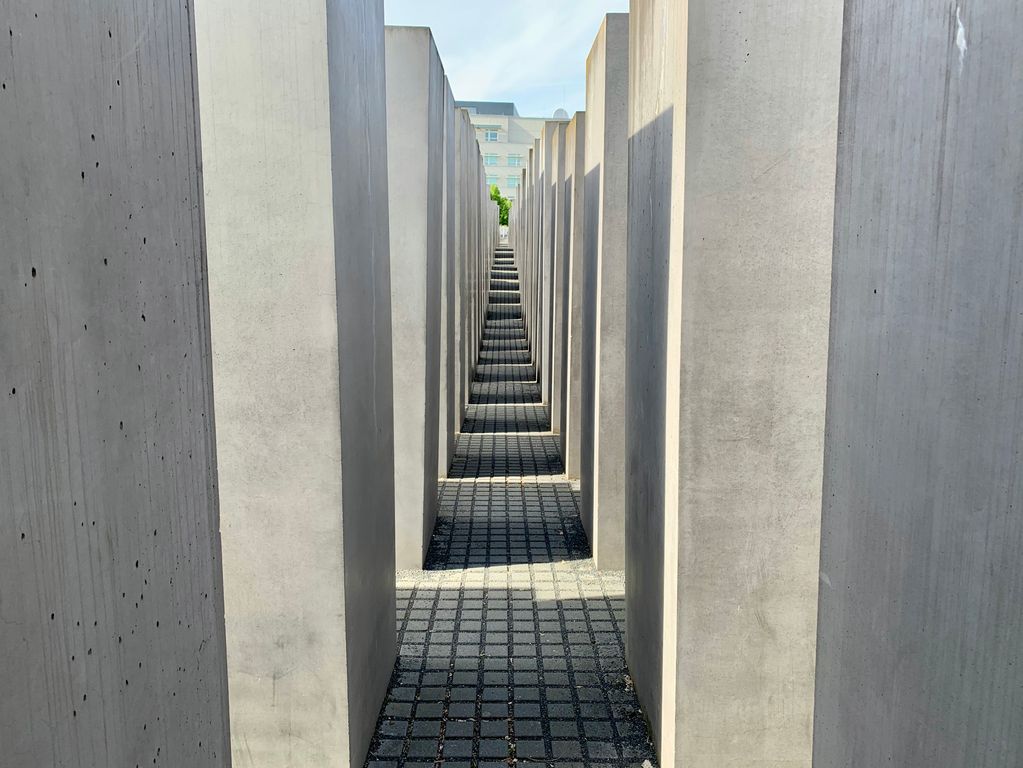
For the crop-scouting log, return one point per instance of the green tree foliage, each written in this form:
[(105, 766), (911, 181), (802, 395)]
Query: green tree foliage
[(503, 203)]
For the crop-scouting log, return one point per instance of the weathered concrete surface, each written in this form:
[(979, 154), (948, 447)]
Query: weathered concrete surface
[(920, 638), (526, 257), (588, 336), (451, 412), (299, 288), (523, 253), (534, 257), (111, 606), (465, 138), (475, 192), (575, 184), (653, 368), (730, 231), (355, 44), (545, 195), (477, 229), (518, 219), (477, 232), (551, 138), (559, 282), (607, 159), (462, 129), (415, 147)]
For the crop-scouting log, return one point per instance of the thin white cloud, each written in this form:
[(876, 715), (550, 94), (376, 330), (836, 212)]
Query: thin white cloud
[(532, 52)]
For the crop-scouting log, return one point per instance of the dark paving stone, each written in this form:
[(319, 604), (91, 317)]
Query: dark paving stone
[(493, 748), (458, 748)]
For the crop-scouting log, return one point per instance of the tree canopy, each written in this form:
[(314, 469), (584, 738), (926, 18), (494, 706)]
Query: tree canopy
[(503, 203)]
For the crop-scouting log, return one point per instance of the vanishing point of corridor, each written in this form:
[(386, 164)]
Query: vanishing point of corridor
[(511, 644)]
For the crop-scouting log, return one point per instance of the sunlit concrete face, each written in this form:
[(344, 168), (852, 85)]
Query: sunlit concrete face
[(732, 168), (606, 196), (111, 606), (920, 643), (296, 211), (415, 135)]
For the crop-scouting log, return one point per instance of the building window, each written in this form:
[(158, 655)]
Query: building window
[(490, 160), (490, 135), (513, 182), (491, 181), (515, 161)]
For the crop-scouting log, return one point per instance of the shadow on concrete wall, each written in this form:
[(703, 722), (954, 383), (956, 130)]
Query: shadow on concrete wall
[(647, 333), (591, 267)]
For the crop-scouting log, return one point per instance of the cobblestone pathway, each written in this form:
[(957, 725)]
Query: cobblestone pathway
[(511, 645)]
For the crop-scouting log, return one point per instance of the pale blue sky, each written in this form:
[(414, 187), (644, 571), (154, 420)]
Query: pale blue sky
[(532, 52)]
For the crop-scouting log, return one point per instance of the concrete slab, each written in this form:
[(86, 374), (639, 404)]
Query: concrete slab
[(451, 410), (550, 139), (529, 254), (575, 213), (415, 144), (559, 281), (300, 303), (730, 230), (111, 605), (465, 139), (920, 636), (607, 164), (534, 271)]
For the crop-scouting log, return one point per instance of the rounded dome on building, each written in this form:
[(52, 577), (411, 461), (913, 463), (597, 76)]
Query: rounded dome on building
[(560, 114)]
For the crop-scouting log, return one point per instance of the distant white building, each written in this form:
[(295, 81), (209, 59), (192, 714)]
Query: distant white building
[(505, 140)]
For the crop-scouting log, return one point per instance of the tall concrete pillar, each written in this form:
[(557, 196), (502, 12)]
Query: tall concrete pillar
[(558, 246), (479, 222), (732, 170), (920, 636), (526, 278), (477, 187), (461, 262), (607, 171), (467, 149), (296, 210), (575, 261), (451, 411), (472, 200), (415, 154), (536, 255), (552, 144), (111, 605), (521, 211)]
